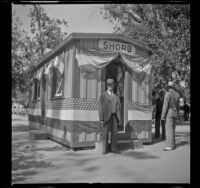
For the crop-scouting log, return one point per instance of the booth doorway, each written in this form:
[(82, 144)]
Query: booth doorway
[(116, 70)]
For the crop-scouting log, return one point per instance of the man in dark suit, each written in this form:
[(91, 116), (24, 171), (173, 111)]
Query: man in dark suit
[(186, 110), (170, 112), (110, 115), (159, 105)]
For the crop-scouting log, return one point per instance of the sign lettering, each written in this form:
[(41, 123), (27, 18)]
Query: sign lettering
[(116, 46)]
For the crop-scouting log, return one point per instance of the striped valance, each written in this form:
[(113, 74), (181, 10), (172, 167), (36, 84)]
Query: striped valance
[(90, 60)]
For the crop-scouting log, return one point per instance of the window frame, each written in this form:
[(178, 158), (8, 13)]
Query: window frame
[(54, 94), (37, 88)]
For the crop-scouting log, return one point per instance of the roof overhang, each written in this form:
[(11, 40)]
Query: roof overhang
[(74, 36)]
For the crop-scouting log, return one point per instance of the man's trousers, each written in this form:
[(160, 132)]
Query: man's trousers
[(110, 126), (158, 121), (170, 132)]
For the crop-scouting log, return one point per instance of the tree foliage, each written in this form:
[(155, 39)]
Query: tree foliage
[(18, 56), (47, 31), (28, 49), (164, 28)]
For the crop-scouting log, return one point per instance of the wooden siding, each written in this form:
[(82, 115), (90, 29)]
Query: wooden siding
[(134, 90), (130, 86), (83, 87), (68, 71), (147, 94), (141, 129)]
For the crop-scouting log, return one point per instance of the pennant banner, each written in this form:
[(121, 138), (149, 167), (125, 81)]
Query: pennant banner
[(140, 67), (39, 73), (57, 62), (48, 68)]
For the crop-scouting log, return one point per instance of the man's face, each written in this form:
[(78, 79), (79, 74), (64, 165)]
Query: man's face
[(110, 87)]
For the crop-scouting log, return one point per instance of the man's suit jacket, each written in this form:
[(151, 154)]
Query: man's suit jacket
[(105, 107), (171, 105)]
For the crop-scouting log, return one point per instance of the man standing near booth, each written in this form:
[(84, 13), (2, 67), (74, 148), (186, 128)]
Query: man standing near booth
[(170, 112), (110, 116), (159, 106)]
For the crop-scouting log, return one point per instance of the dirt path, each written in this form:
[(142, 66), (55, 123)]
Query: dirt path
[(46, 161)]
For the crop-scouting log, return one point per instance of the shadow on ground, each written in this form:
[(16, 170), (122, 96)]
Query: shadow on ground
[(22, 176), (26, 156), (181, 143), (92, 168), (140, 155), (182, 138), (133, 153), (154, 140), (22, 161)]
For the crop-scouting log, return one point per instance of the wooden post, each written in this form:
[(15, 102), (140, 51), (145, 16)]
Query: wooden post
[(75, 76), (69, 74), (101, 82), (42, 95), (126, 88)]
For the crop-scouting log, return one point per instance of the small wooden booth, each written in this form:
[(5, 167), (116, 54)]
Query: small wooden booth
[(69, 80)]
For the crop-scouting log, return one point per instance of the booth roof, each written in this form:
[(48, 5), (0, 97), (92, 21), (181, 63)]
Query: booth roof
[(72, 36)]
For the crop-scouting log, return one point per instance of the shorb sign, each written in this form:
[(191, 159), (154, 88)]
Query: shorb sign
[(116, 46)]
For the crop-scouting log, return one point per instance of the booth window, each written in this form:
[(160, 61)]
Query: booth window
[(36, 89), (57, 88)]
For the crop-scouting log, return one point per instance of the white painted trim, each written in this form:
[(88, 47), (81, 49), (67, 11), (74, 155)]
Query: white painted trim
[(35, 112), (87, 115), (80, 115), (139, 115)]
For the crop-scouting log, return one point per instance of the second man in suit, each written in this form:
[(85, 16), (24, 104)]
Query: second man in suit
[(170, 113)]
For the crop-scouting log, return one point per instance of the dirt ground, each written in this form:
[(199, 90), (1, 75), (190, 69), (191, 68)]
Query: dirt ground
[(45, 161)]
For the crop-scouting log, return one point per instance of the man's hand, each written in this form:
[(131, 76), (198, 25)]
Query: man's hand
[(120, 123)]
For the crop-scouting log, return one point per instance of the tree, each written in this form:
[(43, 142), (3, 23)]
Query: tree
[(164, 28), (47, 31), (27, 50), (18, 56)]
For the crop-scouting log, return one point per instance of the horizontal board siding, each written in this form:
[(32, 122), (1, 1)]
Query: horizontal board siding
[(76, 126), (87, 43), (63, 141), (59, 124), (139, 115), (74, 133)]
